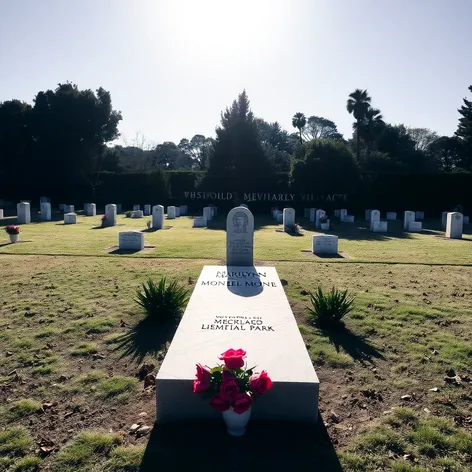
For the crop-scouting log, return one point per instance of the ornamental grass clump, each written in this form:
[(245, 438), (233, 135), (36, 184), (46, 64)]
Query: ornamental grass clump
[(328, 309), (164, 301)]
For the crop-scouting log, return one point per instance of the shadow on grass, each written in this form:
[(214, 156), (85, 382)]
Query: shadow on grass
[(147, 337), (272, 446), (355, 346), (153, 230)]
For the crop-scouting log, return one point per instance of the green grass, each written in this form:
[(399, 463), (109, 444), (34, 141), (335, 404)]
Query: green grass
[(179, 242), (22, 408), (83, 305), (118, 387), (28, 464), (84, 349), (83, 452), (125, 459), (15, 441)]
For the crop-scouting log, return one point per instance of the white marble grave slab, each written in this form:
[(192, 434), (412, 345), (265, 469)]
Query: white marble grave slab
[(239, 307), (322, 244), (131, 240), (454, 225), (70, 218)]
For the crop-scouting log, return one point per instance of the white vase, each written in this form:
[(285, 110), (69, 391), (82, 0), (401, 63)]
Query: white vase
[(236, 424), (14, 238)]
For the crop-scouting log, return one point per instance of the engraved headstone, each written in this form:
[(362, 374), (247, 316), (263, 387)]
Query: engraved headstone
[(131, 240), (136, 207), (408, 217), (45, 211), (1, 213), (348, 219), (137, 214), (374, 216), (110, 211), (419, 215), (68, 209), (342, 214), (380, 227), (70, 218), (207, 214), (415, 226), (177, 212), (157, 216), (454, 225), (367, 215), (280, 217), (183, 210), (240, 237), (318, 215), (23, 210), (325, 244), (90, 209), (147, 210), (171, 212), (312, 215), (199, 222), (337, 213), (288, 218)]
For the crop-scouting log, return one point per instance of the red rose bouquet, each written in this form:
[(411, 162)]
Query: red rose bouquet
[(230, 384), (12, 229)]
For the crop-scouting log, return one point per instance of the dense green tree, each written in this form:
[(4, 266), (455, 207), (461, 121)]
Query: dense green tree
[(198, 149), (357, 104), (448, 152), (464, 131), (16, 140), (70, 128), (423, 138), (237, 159), (370, 128), (318, 127), (299, 122), (327, 165)]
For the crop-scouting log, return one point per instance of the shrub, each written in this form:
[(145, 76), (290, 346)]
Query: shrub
[(128, 214), (328, 309), (162, 301), (293, 229)]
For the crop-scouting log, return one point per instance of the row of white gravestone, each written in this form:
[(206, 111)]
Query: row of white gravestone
[(176, 211), (377, 226)]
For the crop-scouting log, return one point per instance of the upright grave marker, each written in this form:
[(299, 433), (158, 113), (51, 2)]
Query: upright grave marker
[(90, 209), (110, 211), (171, 212), (454, 225), (207, 213), (45, 211), (318, 215), (147, 210), (408, 217), (240, 237), (23, 210), (288, 218), (157, 216)]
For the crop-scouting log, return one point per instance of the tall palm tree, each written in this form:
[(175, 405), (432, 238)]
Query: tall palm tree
[(299, 121), (358, 103), (371, 127)]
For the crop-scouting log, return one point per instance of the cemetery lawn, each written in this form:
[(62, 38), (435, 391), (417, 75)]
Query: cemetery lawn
[(65, 388), (356, 242)]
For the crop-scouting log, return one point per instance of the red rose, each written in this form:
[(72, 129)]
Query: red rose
[(233, 358), (242, 403), (260, 383), (229, 388), (219, 404), (203, 374), (203, 381)]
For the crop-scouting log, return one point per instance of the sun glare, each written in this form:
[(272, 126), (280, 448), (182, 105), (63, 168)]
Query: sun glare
[(212, 28)]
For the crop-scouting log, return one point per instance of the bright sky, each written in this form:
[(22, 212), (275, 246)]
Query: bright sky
[(172, 65)]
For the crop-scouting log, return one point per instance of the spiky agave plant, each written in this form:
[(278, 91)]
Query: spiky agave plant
[(164, 301), (328, 309)]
